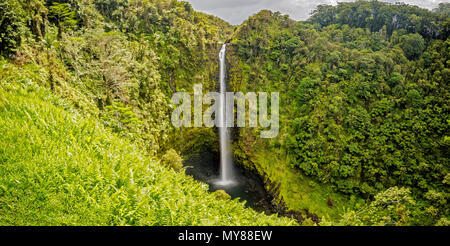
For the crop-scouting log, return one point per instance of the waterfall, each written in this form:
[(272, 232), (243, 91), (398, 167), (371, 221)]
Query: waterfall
[(226, 163)]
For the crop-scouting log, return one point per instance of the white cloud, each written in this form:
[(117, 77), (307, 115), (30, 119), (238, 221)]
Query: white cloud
[(236, 11)]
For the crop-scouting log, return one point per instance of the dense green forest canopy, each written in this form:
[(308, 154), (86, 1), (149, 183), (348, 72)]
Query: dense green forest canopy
[(364, 93), (126, 57), (378, 16)]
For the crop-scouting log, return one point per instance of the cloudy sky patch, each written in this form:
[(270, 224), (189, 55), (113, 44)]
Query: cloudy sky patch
[(236, 11)]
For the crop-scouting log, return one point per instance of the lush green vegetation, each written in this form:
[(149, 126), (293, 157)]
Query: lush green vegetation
[(60, 168), (85, 115), (71, 68), (364, 105)]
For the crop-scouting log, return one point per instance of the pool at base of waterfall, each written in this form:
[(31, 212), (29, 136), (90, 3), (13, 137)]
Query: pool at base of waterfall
[(247, 186)]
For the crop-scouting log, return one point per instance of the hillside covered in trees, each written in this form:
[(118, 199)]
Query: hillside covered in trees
[(84, 114), (364, 94), (86, 137)]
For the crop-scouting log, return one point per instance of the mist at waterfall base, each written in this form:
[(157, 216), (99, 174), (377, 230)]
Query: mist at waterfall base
[(219, 170), (247, 186)]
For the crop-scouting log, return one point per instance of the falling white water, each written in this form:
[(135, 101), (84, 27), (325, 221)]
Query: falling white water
[(226, 163)]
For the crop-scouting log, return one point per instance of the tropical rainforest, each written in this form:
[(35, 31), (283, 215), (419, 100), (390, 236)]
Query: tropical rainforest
[(86, 136)]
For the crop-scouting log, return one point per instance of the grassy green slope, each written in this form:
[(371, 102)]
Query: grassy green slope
[(58, 168)]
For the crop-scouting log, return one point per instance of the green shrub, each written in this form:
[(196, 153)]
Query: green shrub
[(413, 45), (172, 160), (222, 195)]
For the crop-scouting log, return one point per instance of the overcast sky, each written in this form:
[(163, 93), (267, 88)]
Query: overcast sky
[(236, 11)]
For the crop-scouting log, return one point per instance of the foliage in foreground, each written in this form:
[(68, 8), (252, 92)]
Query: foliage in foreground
[(58, 168)]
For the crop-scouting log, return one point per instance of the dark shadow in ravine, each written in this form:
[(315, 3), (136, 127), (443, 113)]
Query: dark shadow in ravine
[(249, 187)]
